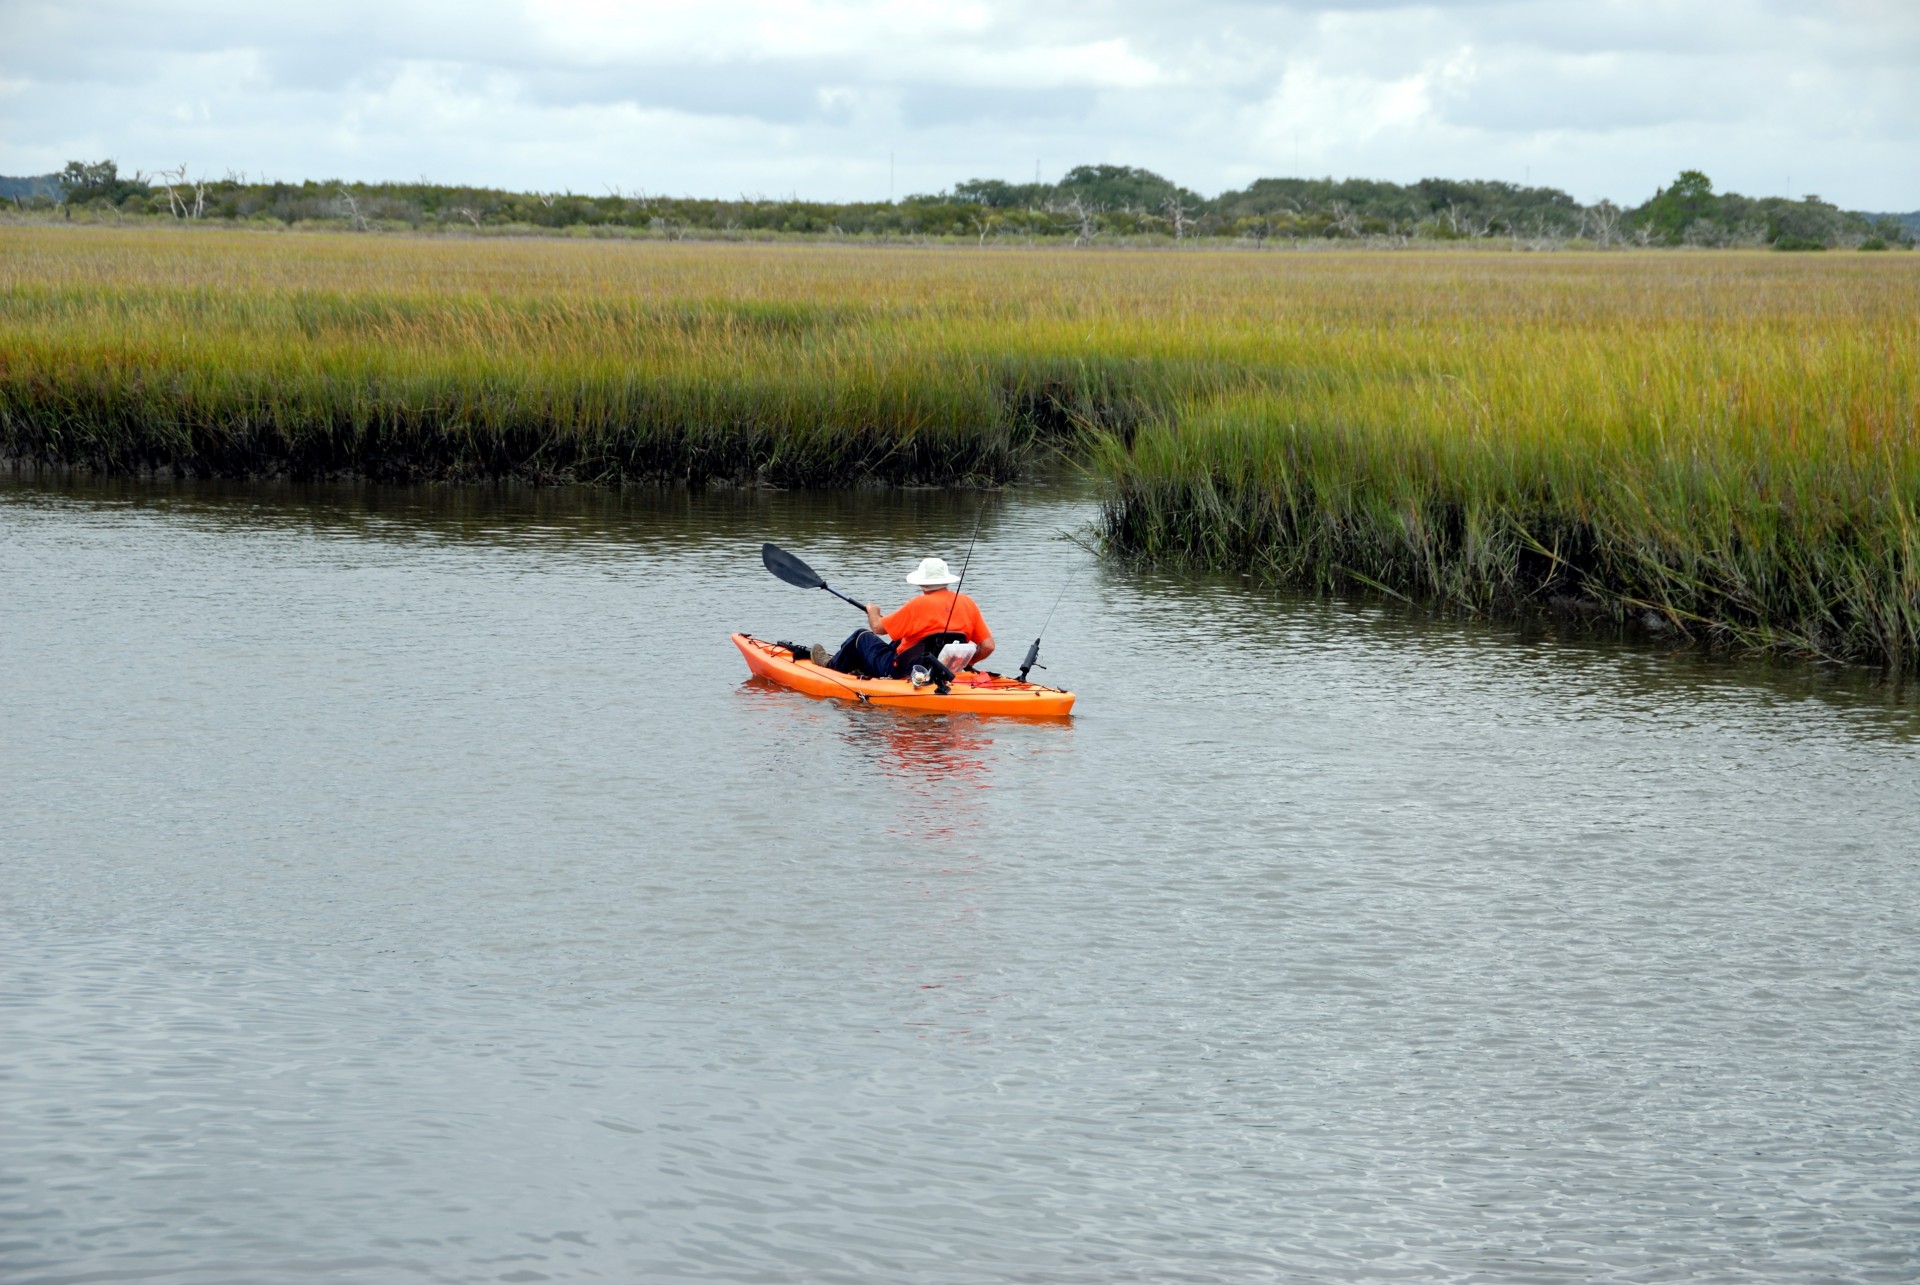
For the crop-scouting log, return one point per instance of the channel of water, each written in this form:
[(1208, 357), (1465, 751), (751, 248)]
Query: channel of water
[(407, 885)]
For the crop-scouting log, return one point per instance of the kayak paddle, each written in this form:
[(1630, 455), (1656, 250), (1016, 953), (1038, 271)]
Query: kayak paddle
[(797, 573)]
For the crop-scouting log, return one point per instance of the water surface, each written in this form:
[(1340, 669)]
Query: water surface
[(406, 885)]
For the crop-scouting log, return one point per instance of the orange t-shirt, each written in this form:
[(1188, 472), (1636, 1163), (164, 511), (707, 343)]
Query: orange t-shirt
[(926, 613)]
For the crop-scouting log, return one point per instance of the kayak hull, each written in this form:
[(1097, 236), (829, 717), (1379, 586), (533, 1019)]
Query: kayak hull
[(970, 693)]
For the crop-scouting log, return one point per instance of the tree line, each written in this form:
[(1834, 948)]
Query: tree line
[(1088, 204)]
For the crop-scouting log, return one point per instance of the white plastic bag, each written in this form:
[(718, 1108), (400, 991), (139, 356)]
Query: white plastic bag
[(958, 655)]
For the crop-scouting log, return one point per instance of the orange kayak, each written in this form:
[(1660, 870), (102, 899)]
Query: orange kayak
[(970, 693)]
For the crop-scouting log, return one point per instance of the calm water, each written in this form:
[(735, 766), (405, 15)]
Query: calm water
[(406, 886)]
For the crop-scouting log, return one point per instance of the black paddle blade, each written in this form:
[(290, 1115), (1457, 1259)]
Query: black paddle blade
[(789, 568)]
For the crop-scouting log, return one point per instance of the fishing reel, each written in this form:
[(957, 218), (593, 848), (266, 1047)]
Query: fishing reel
[(932, 673), (1032, 661)]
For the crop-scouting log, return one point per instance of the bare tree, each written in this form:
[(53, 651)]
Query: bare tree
[(175, 182), (1086, 216), (356, 220), (1604, 218), (1346, 220), (169, 180), (636, 200), (467, 213), (1465, 224), (1178, 215)]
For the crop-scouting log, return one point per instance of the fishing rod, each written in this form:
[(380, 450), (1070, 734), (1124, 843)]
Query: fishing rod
[(1033, 653), (946, 628)]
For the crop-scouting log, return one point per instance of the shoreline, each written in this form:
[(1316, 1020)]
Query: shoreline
[(1724, 443), (1132, 242)]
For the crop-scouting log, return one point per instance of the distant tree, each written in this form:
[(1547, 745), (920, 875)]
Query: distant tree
[(1673, 210), (1889, 229), (994, 193), (1090, 202), (100, 180), (1123, 187), (1803, 225)]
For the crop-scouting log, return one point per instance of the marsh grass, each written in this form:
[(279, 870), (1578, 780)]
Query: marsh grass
[(1723, 443), (311, 356), (1715, 448)]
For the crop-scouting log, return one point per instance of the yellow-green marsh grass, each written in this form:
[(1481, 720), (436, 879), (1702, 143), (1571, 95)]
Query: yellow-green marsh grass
[(1724, 440), (246, 353), (1724, 445)]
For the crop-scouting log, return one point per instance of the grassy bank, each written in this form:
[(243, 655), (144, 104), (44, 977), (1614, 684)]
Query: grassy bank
[(1724, 441), (1721, 450), (233, 354)]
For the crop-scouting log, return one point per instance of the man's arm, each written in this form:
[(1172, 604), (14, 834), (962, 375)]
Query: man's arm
[(875, 621), (986, 650), (980, 636)]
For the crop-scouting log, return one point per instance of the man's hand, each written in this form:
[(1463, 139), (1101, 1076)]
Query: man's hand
[(873, 620)]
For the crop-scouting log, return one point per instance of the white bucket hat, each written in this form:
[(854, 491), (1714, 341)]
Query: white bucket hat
[(931, 571)]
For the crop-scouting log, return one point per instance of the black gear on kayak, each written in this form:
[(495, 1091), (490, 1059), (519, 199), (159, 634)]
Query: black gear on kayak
[(927, 652)]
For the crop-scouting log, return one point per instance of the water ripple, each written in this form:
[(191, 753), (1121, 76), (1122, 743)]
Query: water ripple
[(408, 886)]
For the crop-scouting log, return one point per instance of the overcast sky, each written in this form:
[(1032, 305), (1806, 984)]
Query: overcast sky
[(723, 97)]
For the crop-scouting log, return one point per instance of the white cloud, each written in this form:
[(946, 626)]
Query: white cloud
[(1604, 97), (597, 32), (1330, 110)]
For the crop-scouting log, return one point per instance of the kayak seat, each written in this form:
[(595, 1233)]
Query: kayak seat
[(927, 650)]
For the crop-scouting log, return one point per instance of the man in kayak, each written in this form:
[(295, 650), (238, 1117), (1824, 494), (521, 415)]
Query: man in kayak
[(917, 634)]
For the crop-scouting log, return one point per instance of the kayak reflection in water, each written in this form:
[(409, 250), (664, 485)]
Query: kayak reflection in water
[(940, 629)]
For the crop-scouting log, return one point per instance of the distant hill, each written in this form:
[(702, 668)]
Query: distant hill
[(1910, 221), (38, 185)]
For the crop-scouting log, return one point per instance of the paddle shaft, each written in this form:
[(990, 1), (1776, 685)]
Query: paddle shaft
[(843, 597)]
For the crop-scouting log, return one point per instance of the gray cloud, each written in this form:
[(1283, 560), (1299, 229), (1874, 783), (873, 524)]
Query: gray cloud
[(1604, 98)]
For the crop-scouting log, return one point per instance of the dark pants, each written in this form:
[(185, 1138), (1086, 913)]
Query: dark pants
[(865, 653)]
